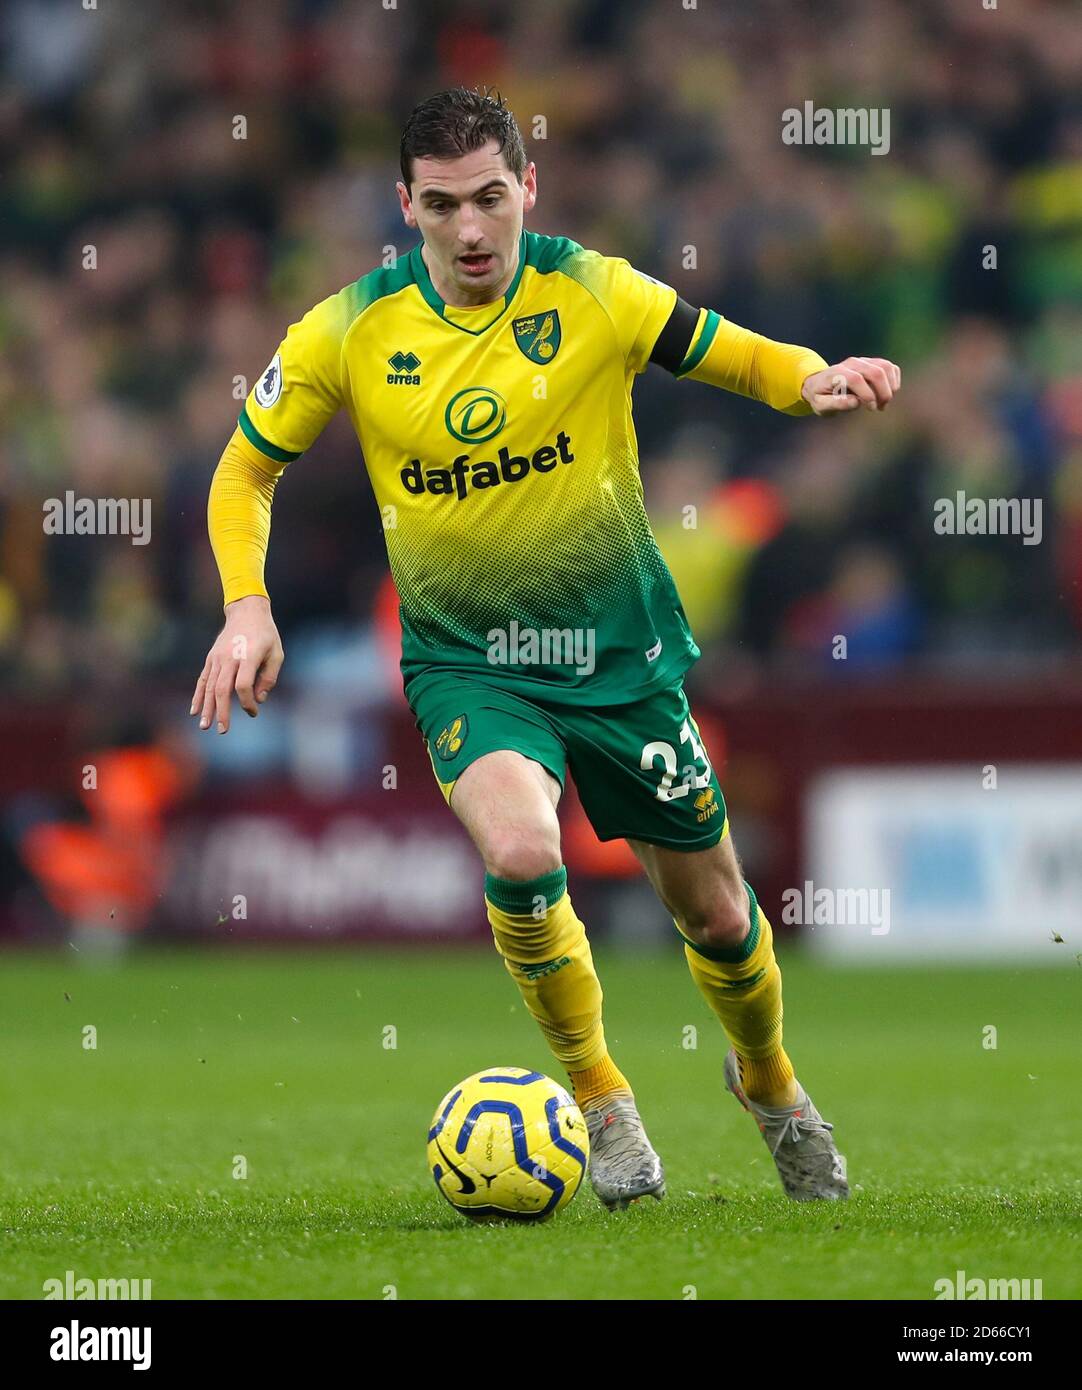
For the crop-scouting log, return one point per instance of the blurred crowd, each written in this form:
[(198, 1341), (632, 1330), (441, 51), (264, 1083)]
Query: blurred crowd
[(180, 181)]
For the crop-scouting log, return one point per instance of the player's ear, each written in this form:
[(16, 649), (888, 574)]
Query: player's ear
[(405, 204), (529, 187)]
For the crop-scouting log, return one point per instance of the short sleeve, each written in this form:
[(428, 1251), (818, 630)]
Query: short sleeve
[(638, 305), (301, 388)]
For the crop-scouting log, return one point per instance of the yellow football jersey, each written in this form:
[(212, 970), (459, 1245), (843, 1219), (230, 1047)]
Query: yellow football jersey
[(500, 445)]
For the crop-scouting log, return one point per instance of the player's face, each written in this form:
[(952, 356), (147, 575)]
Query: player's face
[(469, 211)]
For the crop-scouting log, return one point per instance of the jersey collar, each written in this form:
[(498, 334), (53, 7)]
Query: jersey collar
[(433, 300)]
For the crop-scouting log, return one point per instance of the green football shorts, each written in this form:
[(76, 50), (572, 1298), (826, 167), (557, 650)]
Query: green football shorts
[(640, 769)]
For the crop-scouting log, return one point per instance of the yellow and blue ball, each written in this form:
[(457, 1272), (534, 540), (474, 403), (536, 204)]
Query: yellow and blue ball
[(508, 1144)]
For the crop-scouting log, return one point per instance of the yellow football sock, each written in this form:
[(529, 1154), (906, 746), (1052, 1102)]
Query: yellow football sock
[(546, 953), (742, 985), (593, 1083)]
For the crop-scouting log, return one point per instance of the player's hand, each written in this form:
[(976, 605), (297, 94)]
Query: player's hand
[(246, 658), (858, 381)]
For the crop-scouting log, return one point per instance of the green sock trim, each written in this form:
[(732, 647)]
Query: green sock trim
[(731, 955), (518, 897)]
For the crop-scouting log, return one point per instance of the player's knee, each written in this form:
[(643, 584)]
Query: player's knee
[(521, 854), (721, 922)]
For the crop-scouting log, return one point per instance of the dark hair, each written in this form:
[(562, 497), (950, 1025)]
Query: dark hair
[(457, 122)]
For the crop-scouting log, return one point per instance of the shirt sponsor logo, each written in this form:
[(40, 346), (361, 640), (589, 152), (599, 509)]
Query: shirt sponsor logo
[(465, 474), (475, 415)]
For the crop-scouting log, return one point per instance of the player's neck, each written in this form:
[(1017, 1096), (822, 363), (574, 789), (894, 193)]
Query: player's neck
[(459, 299)]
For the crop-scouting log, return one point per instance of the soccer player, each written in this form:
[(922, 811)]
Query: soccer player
[(488, 375)]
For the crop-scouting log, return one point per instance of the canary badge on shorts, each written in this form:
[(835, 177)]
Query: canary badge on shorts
[(452, 737)]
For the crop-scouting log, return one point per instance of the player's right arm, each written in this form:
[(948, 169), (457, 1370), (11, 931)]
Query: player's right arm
[(284, 413), (247, 654)]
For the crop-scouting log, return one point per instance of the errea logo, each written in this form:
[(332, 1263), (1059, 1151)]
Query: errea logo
[(548, 967), (404, 369)]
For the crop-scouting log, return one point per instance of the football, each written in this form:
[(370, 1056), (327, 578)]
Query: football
[(508, 1144)]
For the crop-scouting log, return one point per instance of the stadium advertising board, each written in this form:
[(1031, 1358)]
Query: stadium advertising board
[(966, 862)]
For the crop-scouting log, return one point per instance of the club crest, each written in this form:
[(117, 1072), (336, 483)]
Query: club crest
[(452, 738), (538, 336)]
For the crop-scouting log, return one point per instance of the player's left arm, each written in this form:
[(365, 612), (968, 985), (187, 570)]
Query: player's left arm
[(700, 344)]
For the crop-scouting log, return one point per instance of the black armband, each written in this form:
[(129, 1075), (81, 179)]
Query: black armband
[(675, 338)]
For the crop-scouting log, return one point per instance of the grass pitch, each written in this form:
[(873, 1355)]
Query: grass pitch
[(119, 1161)]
